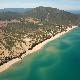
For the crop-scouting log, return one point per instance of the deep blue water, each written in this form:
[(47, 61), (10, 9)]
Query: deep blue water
[(58, 60)]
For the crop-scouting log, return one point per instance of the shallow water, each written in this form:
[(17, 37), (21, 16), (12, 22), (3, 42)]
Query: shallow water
[(58, 60)]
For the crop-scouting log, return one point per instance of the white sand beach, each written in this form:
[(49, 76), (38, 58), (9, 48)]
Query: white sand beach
[(37, 47)]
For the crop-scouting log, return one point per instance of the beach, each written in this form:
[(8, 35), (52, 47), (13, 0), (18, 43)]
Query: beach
[(37, 47)]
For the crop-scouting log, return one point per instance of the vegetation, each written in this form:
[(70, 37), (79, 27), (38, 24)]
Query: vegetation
[(37, 24)]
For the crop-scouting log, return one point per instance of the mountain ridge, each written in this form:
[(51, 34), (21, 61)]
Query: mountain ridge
[(49, 14)]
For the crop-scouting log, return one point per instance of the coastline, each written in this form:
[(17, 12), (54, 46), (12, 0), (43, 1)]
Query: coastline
[(37, 47)]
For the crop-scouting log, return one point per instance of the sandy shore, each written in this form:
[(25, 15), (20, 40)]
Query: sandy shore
[(37, 47)]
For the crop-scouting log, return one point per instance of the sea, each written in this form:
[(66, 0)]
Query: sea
[(57, 60)]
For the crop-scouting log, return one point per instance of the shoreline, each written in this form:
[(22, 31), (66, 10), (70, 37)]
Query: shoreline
[(5, 66)]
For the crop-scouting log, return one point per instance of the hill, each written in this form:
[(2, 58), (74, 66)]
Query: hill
[(16, 10), (45, 14), (52, 15), (74, 11)]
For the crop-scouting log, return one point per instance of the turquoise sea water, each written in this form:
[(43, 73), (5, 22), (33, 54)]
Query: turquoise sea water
[(58, 60)]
